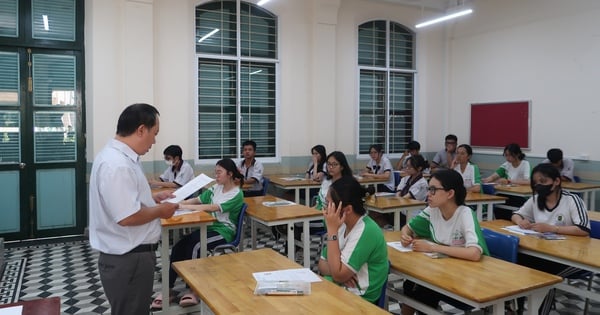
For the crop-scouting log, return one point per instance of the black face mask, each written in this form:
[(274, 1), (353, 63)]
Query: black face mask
[(542, 191)]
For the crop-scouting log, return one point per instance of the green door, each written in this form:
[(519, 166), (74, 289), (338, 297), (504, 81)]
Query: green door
[(42, 156)]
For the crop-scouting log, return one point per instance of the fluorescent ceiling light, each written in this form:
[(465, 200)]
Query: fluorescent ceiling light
[(46, 26), (208, 35), (261, 2), (255, 72), (445, 18)]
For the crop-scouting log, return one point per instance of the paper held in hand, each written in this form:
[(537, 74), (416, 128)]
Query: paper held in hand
[(189, 188)]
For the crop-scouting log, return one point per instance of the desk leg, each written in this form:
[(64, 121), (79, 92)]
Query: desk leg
[(297, 195), (490, 211), (253, 233), (306, 240), (397, 220), (479, 212), (534, 301), (498, 308), (307, 197), (592, 203), (203, 240), (165, 262), (291, 242)]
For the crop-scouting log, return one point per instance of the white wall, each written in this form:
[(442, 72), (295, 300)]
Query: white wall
[(545, 51), (143, 51)]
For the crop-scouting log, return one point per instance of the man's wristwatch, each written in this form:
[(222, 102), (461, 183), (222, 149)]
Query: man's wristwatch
[(332, 237)]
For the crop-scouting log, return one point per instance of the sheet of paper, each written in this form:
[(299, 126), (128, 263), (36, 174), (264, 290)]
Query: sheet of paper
[(517, 230), (13, 310), (183, 211), (190, 188), (398, 246), (385, 194), (300, 274), (289, 179)]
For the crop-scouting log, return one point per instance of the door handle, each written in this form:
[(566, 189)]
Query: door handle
[(22, 165)]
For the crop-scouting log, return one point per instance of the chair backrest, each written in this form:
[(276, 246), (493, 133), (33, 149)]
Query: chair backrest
[(502, 246), (383, 296), (488, 189), (240, 226), (576, 179), (595, 229), (265, 185), (396, 178)]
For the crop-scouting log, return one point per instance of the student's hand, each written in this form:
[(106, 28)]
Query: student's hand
[(503, 181), (543, 227), (422, 246), (352, 282), (525, 224), (406, 240), (334, 216), (398, 194)]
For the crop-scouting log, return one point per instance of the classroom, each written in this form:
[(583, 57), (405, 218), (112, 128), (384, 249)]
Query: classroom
[(306, 72)]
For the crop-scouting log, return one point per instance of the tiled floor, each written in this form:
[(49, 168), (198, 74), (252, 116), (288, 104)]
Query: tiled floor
[(67, 269)]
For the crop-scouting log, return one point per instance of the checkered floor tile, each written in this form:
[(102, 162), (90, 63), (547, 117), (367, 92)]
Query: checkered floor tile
[(68, 269)]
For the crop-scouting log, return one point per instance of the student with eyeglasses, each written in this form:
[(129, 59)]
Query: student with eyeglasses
[(446, 227), (444, 158), (380, 167)]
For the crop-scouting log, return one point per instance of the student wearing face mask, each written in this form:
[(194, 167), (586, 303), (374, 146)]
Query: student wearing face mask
[(178, 171), (553, 210)]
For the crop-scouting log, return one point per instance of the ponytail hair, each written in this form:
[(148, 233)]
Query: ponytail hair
[(229, 165)]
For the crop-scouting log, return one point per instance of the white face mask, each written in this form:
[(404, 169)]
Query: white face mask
[(169, 162)]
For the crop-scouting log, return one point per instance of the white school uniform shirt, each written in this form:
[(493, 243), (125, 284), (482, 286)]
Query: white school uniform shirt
[(570, 210), (468, 175), (568, 168), (118, 189), (384, 165), (185, 174)]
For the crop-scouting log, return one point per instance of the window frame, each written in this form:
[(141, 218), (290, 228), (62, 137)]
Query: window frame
[(387, 71), (239, 63)]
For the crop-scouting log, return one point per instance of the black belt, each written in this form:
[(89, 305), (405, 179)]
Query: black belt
[(144, 248)]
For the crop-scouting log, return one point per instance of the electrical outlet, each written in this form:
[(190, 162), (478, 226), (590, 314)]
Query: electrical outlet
[(584, 157)]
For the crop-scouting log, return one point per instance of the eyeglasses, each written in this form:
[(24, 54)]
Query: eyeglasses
[(433, 189), (333, 164)]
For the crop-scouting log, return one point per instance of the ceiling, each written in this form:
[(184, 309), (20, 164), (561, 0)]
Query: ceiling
[(441, 5)]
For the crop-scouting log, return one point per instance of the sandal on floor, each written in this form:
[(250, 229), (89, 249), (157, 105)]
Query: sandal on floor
[(158, 300), (188, 299)]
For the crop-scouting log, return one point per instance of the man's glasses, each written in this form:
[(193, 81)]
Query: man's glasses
[(433, 189)]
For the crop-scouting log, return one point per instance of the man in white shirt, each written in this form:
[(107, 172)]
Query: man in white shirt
[(124, 215), (564, 165)]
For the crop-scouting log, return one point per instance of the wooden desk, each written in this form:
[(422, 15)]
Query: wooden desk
[(225, 283), (479, 200), (296, 183), (395, 205), (288, 215), (47, 306), (586, 189), (577, 251), (514, 190), (199, 220), (463, 279)]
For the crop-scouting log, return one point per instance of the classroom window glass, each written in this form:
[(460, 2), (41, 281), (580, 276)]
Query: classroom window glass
[(386, 62), (237, 75), (9, 11)]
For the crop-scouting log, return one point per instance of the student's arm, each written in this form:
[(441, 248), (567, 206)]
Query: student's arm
[(339, 272), (492, 178), (468, 253), (400, 164), (147, 214)]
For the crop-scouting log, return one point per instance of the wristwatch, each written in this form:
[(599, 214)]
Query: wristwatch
[(332, 237)]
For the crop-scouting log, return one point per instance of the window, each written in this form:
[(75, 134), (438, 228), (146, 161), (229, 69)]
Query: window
[(386, 58), (236, 47)]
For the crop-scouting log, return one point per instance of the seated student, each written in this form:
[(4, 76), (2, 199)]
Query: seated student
[(444, 158), (554, 210), (356, 254), (515, 170), (252, 169), (178, 172), (469, 172), (380, 167), (413, 185), (317, 168), (223, 201), (565, 166), (412, 149), (446, 226)]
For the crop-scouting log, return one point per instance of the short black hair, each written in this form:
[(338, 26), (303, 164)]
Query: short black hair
[(555, 155), (413, 145), (135, 115), (249, 142), (174, 151), (451, 137)]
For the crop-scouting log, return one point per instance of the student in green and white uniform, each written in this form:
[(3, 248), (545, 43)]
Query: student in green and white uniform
[(356, 254), (470, 172), (447, 227)]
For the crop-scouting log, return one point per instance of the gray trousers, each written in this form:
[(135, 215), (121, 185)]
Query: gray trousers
[(127, 281)]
